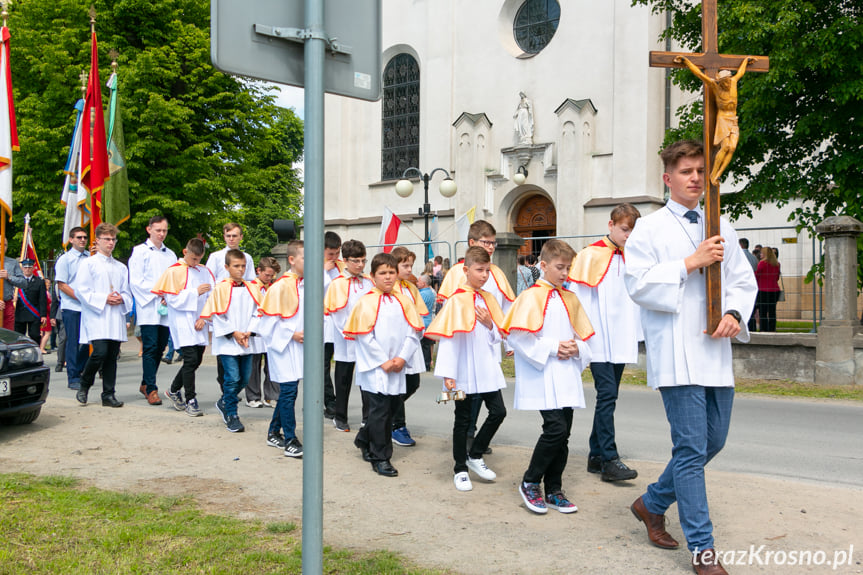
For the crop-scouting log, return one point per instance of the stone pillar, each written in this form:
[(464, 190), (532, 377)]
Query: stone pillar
[(834, 354), (506, 254)]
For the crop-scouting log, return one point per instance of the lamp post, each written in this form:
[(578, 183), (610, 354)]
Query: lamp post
[(405, 187)]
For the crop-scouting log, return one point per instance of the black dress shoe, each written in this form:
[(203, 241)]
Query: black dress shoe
[(58, 368), (364, 449), (384, 468), (111, 401), (81, 396)]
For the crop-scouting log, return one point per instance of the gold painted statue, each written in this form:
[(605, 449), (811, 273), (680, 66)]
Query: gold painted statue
[(727, 133)]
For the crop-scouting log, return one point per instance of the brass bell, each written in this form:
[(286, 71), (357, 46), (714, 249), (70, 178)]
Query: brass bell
[(443, 397), (457, 395)]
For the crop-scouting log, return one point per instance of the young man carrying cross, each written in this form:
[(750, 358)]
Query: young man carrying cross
[(691, 368)]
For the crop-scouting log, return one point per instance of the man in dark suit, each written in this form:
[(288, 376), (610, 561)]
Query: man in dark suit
[(31, 312)]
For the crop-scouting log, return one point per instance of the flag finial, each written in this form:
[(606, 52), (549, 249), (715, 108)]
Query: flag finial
[(113, 54), (92, 18), (83, 77), (5, 13)]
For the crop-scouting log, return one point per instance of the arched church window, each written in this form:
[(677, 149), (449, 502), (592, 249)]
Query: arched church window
[(400, 145), (535, 24)]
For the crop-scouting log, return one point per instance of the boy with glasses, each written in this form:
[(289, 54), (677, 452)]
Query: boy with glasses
[(102, 287)]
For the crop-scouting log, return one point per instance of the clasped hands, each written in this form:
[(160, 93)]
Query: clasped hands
[(567, 349)]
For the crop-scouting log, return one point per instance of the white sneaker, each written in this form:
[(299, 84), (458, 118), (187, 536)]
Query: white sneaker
[(462, 481), (254, 403), (479, 467)]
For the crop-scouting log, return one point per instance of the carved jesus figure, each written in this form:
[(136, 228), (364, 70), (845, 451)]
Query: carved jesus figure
[(727, 133)]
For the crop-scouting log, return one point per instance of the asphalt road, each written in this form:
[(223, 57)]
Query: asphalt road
[(804, 440)]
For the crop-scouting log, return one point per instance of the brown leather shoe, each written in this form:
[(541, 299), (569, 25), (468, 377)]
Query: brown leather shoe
[(655, 526), (153, 398), (143, 390), (707, 563)]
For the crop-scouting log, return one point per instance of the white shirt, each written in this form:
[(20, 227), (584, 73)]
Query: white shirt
[(284, 354), (99, 276), (238, 318), (392, 337), (472, 359), (329, 332), (65, 269), (613, 315), (216, 263), (674, 303), (146, 265), (417, 363), (343, 349), (184, 309), (542, 381)]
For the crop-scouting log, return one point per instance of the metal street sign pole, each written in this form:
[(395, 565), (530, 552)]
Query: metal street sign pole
[(313, 350)]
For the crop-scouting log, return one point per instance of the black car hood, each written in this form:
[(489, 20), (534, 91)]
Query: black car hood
[(8, 337)]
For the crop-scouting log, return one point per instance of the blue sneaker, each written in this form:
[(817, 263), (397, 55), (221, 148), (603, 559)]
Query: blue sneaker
[(402, 436), (557, 500), (220, 406), (234, 425)]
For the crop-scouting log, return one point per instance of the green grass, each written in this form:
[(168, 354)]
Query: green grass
[(55, 525)]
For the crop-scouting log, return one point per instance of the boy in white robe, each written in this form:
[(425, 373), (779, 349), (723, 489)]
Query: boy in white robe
[(416, 366), (341, 297), (186, 286), (102, 287), (333, 267), (548, 328), (280, 325), (666, 254), (596, 277), (263, 391), (467, 329), (231, 307), (385, 326)]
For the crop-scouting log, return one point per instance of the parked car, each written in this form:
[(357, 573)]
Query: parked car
[(24, 379)]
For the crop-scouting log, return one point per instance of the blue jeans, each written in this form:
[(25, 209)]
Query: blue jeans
[(699, 418), (606, 378), (154, 338), (283, 416), (237, 370), (76, 354)]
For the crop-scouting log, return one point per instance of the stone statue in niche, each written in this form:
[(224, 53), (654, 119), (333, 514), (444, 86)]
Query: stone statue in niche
[(524, 120)]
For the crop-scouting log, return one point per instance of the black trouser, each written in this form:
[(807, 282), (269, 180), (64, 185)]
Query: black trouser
[(496, 413), (766, 302), (104, 357), (30, 329), (255, 390), (154, 339), (552, 449), (329, 392), (376, 434), (344, 376), (427, 346), (185, 378), (606, 381), (412, 383)]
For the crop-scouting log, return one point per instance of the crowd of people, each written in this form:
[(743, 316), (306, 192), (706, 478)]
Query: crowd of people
[(643, 280)]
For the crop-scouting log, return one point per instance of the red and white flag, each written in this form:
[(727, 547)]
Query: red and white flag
[(389, 230), (28, 249), (94, 146), (8, 130)]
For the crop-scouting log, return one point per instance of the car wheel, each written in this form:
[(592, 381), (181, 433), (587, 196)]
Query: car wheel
[(25, 418)]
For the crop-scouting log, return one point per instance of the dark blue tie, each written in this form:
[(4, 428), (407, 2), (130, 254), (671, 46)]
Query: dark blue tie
[(692, 216)]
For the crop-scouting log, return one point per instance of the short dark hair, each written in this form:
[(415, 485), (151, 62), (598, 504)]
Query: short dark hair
[(232, 255), (269, 262), (195, 246), (77, 229), (680, 149), (354, 249), (332, 241), (156, 220), (744, 243), (294, 247), (481, 229), (476, 255), (625, 212), (383, 259), (556, 249)]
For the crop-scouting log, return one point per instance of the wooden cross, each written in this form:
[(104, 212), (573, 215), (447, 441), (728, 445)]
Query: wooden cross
[(711, 62)]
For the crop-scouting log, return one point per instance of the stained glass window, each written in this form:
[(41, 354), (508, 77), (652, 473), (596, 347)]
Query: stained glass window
[(401, 117), (535, 24)]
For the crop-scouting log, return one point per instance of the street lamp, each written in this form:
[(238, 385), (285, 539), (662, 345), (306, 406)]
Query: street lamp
[(520, 176), (405, 187)]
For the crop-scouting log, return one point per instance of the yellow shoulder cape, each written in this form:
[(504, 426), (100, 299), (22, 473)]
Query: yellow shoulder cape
[(455, 278), (459, 314), (591, 264), (337, 294), (415, 294), (528, 311), (173, 281), (220, 300), (365, 314), (283, 297)]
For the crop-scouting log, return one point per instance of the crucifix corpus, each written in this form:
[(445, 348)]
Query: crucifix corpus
[(720, 126)]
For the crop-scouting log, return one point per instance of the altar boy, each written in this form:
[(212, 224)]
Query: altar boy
[(231, 307), (186, 286), (548, 328), (386, 327), (280, 324), (467, 360), (102, 287)]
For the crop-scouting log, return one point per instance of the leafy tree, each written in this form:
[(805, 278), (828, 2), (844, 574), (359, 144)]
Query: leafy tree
[(202, 147), (801, 123)]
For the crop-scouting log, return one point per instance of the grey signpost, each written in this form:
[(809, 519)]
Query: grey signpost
[(334, 47)]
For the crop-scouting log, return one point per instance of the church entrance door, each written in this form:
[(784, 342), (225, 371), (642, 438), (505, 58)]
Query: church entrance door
[(535, 217)]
